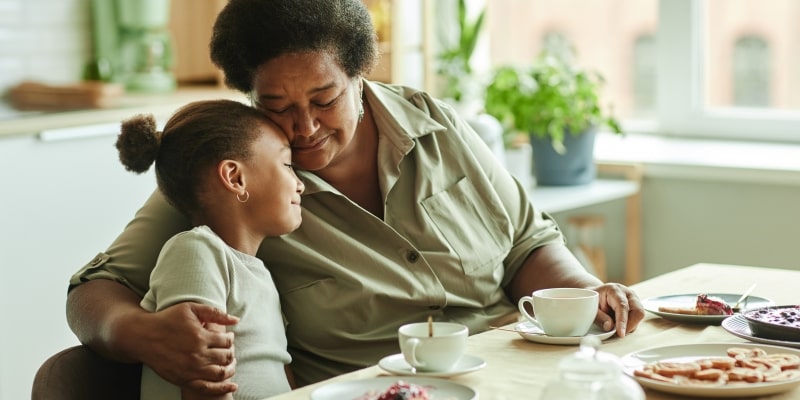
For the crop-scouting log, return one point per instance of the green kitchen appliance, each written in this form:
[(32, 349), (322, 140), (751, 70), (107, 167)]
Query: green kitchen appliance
[(133, 44)]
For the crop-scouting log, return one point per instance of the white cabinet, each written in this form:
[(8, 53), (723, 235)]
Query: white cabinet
[(61, 202)]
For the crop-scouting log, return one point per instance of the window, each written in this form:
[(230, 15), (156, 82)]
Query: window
[(707, 68)]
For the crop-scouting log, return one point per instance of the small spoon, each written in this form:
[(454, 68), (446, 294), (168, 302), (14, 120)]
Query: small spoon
[(735, 307), (516, 331)]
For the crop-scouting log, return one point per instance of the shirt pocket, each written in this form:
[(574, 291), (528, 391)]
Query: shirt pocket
[(474, 224)]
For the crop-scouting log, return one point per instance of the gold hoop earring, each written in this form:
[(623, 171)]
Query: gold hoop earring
[(246, 197)]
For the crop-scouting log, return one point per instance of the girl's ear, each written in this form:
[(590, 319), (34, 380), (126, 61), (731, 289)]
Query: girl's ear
[(231, 175)]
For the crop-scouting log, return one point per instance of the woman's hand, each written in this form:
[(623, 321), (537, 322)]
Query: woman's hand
[(553, 265), (193, 392), (619, 306), (186, 344)]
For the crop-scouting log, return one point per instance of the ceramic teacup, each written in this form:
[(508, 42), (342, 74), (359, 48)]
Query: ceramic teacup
[(440, 352), (562, 312)]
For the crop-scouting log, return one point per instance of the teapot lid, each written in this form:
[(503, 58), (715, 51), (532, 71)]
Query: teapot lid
[(589, 364)]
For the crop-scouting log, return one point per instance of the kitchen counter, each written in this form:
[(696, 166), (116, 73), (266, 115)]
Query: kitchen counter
[(13, 122)]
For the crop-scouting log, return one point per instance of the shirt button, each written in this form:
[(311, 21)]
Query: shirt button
[(412, 256), (97, 260)]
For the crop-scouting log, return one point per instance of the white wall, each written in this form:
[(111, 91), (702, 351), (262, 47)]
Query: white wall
[(61, 202), (692, 220), (704, 220), (44, 40)]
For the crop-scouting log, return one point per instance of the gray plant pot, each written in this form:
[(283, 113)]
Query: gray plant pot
[(574, 167)]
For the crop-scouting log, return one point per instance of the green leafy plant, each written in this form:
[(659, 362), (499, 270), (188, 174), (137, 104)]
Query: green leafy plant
[(550, 98), (454, 62)]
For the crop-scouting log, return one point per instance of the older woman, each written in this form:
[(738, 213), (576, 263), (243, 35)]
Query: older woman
[(406, 214)]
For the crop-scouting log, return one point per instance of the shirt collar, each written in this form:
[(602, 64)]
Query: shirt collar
[(402, 107)]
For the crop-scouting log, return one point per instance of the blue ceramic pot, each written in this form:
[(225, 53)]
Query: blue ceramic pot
[(574, 167)]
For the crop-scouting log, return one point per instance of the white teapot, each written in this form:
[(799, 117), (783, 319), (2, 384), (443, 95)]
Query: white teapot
[(590, 374)]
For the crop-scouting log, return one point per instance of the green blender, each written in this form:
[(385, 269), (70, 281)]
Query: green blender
[(133, 45)]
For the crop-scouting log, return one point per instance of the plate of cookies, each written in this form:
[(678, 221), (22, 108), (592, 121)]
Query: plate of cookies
[(721, 370)]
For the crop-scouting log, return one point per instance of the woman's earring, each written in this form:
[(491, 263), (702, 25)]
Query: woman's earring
[(243, 198), (361, 109)]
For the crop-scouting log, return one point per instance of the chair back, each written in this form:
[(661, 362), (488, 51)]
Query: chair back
[(78, 373)]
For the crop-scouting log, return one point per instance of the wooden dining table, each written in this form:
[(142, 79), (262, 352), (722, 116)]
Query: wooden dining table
[(519, 369)]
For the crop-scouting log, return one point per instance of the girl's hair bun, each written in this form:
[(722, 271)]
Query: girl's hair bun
[(138, 143)]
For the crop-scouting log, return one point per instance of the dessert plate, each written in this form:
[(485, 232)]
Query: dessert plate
[(533, 333), (364, 388), (737, 325), (397, 365), (689, 352), (688, 300)]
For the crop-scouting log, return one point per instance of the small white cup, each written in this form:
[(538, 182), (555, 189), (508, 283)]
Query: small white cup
[(562, 312), (440, 352)]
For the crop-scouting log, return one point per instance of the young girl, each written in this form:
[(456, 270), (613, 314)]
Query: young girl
[(229, 169)]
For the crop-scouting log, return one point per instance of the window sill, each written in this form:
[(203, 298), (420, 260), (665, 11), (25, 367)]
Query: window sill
[(685, 158)]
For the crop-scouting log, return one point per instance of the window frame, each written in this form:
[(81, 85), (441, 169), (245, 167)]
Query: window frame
[(680, 87)]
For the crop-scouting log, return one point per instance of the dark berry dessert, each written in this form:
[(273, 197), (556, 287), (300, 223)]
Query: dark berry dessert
[(779, 322), (400, 390)]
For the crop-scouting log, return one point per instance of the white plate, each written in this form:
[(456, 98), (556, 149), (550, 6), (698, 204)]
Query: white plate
[(438, 389), (689, 352), (533, 333), (689, 300), (737, 325), (397, 365)]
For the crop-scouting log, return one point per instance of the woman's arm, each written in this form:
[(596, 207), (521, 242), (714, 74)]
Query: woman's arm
[(106, 316), (548, 266)]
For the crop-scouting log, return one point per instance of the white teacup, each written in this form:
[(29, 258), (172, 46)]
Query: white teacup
[(440, 352), (562, 312)]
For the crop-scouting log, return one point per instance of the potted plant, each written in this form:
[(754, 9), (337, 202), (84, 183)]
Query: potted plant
[(556, 104)]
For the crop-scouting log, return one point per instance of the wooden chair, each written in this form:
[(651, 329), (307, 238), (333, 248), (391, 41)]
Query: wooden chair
[(78, 373)]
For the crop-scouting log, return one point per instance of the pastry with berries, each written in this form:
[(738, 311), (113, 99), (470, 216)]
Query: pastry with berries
[(400, 390), (704, 305)]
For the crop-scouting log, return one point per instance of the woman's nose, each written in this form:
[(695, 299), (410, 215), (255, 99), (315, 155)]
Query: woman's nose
[(301, 187), (305, 123)]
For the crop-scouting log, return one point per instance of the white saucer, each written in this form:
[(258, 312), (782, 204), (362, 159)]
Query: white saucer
[(533, 333), (397, 365)]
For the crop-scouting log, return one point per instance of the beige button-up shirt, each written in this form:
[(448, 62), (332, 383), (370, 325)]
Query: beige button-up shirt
[(456, 228)]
